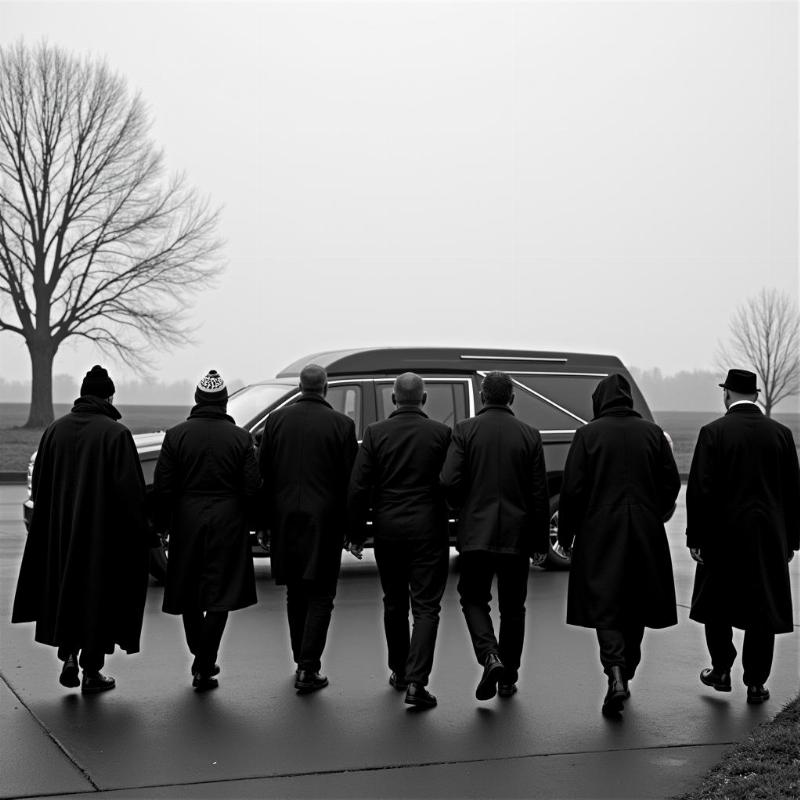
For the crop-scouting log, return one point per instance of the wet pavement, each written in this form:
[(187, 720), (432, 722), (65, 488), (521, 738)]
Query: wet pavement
[(254, 737)]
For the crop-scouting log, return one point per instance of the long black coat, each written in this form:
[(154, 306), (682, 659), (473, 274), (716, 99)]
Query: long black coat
[(205, 485), (743, 512), (620, 482), (306, 455), (495, 478), (397, 473), (84, 572)]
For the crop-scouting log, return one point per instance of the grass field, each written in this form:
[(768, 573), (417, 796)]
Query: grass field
[(17, 443)]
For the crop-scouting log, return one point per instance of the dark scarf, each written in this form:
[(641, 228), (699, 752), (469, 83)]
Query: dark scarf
[(210, 411)]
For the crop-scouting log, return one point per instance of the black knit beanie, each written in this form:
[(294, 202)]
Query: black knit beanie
[(211, 389), (97, 383)]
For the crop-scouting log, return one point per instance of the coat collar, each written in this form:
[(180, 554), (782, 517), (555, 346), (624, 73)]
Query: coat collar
[(210, 411), (744, 407), (89, 404), (310, 397), (496, 407), (408, 410)]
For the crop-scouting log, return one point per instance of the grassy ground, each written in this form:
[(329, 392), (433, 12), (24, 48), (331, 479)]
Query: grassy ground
[(765, 766)]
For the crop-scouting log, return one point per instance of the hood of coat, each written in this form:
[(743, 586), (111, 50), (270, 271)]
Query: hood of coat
[(613, 396), (210, 411), (89, 404)]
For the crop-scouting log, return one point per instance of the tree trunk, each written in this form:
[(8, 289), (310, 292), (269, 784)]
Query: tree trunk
[(41, 410)]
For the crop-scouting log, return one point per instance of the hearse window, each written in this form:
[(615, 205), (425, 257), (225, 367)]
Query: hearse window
[(250, 402), (573, 392), (541, 415), (346, 400), (447, 402)]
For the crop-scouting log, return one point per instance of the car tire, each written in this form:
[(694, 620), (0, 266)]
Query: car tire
[(158, 561), (555, 561)]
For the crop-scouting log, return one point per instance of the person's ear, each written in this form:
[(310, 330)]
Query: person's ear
[(394, 400), (325, 389), (483, 399), (511, 399), (424, 399)]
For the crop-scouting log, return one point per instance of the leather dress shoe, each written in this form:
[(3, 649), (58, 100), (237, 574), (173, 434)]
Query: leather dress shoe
[(204, 683), (417, 695), (96, 682), (398, 682), (194, 670), (616, 695), (721, 681), (69, 673), (492, 672), (757, 693), (506, 689), (309, 681)]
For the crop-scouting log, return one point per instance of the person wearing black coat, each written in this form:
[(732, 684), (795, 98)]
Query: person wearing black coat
[(84, 572), (742, 528), (397, 474), (205, 486), (495, 478), (620, 483), (306, 455)]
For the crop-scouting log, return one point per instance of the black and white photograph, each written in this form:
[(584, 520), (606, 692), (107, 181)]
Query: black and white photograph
[(400, 399)]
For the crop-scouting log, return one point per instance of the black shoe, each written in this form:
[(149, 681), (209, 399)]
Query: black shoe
[(398, 682), (204, 683), (492, 673), (721, 681), (757, 693), (96, 682), (506, 689), (309, 681), (69, 673), (616, 695), (194, 670), (418, 695)]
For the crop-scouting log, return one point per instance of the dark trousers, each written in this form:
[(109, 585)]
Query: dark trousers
[(203, 636), (757, 652), (309, 605), (621, 648), (478, 568), (412, 571), (90, 661)]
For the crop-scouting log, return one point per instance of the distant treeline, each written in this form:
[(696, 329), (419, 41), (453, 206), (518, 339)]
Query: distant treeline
[(143, 392)]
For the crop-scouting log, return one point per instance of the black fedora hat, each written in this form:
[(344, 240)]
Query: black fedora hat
[(741, 381)]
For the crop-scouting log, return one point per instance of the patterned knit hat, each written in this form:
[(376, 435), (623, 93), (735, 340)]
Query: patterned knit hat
[(97, 383), (211, 389)]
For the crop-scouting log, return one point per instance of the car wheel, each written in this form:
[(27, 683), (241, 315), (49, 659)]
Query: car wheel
[(158, 559), (555, 558)]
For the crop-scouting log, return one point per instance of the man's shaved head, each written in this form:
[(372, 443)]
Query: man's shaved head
[(409, 389), (314, 379)]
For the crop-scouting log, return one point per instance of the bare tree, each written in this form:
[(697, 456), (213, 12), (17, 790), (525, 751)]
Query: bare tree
[(765, 335), (95, 242)]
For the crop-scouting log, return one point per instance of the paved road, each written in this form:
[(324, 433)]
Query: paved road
[(254, 737)]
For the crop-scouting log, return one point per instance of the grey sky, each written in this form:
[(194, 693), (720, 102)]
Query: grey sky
[(611, 177)]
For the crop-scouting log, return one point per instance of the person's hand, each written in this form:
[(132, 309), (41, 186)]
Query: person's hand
[(356, 550), (695, 553), (537, 559)]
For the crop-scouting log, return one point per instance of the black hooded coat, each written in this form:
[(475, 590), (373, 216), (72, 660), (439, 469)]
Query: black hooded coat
[(205, 488), (743, 512), (84, 573), (620, 482)]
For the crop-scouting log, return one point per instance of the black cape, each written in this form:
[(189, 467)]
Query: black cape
[(205, 486), (84, 573), (620, 482), (743, 512)]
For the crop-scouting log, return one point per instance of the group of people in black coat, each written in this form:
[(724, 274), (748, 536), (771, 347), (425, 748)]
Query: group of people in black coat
[(83, 575)]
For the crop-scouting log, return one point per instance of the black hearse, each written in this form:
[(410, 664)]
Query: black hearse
[(553, 393)]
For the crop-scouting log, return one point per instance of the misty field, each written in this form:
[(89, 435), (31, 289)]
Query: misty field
[(17, 444)]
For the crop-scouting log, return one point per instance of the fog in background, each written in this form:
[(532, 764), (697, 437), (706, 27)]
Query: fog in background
[(588, 176)]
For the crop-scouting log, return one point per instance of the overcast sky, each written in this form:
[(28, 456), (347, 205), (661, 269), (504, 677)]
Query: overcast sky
[(591, 176)]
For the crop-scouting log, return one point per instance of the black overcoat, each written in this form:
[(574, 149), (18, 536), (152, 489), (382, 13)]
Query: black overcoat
[(205, 485), (397, 474), (743, 512), (620, 482), (495, 478), (306, 456), (84, 573)]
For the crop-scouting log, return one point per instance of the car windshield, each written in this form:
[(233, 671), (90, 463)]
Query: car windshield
[(249, 403)]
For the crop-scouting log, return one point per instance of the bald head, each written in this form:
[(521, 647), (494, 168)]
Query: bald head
[(313, 379), (409, 390)]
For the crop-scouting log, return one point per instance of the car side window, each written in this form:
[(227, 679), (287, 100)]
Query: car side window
[(542, 415), (446, 402), (346, 399)]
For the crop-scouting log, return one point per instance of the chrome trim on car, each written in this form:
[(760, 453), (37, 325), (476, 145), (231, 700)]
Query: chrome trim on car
[(514, 358)]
